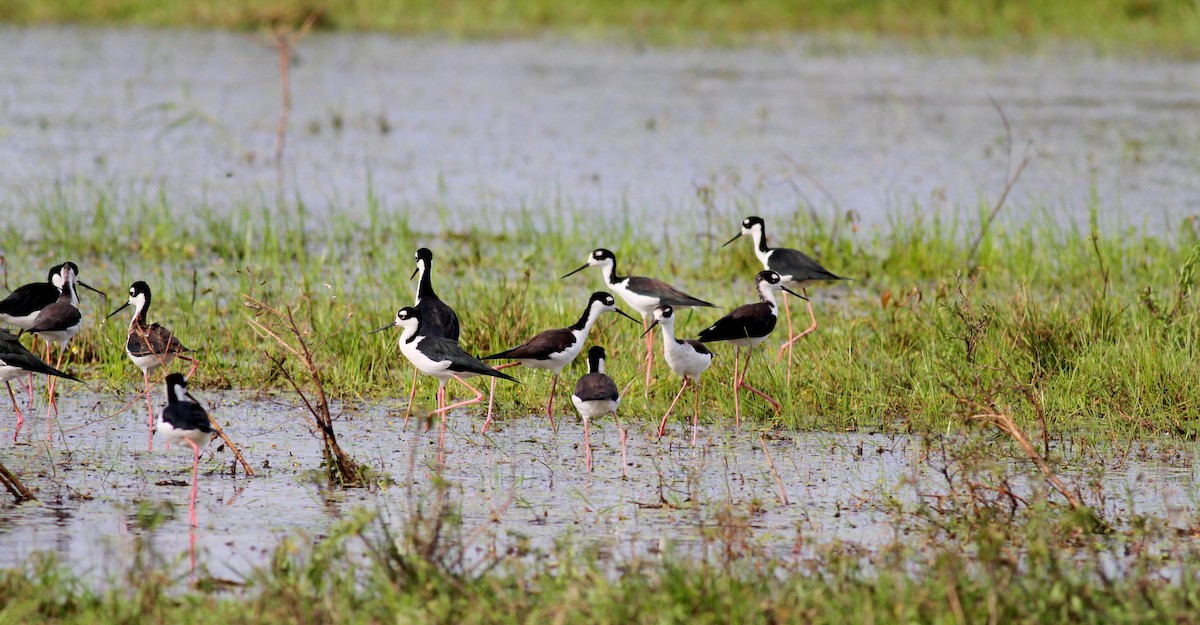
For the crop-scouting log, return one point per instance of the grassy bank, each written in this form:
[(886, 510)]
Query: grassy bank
[(1076, 330), (1171, 26)]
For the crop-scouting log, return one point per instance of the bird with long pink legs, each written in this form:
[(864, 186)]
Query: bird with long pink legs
[(184, 420), (58, 323), (595, 396), (21, 307), (554, 349), (798, 270), (437, 318), (150, 345), (642, 294), (441, 358), (747, 326), (688, 358), (15, 361)]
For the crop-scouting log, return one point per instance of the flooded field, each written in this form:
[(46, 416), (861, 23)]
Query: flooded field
[(521, 485), (457, 127)]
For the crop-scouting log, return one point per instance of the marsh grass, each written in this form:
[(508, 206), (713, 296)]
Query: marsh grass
[(1100, 321), (1164, 25)]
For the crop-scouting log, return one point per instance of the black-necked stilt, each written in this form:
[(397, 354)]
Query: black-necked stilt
[(441, 358), (686, 357), (16, 360), (22, 306), (437, 318), (555, 349), (747, 326), (150, 345), (797, 269), (59, 323), (596, 395), (185, 421), (641, 293)]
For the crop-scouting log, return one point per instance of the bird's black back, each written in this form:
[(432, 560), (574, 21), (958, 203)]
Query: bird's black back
[(596, 387), (29, 298), (437, 348), (437, 319), (186, 415), (14, 354), (746, 321)]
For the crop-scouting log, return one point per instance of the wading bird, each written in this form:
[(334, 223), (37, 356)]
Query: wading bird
[(687, 358), (150, 345), (798, 270), (747, 326), (16, 360), (185, 421), (642, 294), (596, 395), (441, 358), (437, 318), (555, 349)]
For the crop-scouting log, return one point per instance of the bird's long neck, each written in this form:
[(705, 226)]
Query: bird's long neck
[(668, 329), (424, 283), (766, 294), (595, 365), (760, 240), (610, 273), (409, 335), (588, 319), (139, 314)]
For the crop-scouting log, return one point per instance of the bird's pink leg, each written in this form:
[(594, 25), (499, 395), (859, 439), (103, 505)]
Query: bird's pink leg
[(412, 394), (649, 354), (192, 369), (621, 431), (696, 414), (149, 412), (20, 417), (742, 383), (466, 402), (737, 405), (662, 427), (550, 404), (195, 481), (53, 404), (587, 448), (492, 395), (788, 344)]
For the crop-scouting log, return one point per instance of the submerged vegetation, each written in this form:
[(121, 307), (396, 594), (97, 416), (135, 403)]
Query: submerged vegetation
[(1172, 26)]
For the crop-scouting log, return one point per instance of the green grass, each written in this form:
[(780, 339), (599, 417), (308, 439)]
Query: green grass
[(1171, 26), (1100, 324)]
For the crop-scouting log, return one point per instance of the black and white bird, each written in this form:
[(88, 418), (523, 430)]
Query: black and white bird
[(747, 326), (441, 358), (555, 349), (798, 270), (437, 318), (23, 305), (149, 345), (59, 323), (641, 293), (15, 360), (184, 420), (687, 358), (595, 396)]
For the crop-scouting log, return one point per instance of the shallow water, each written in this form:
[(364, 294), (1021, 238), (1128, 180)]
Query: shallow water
[(519, 485), (501, 126)]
